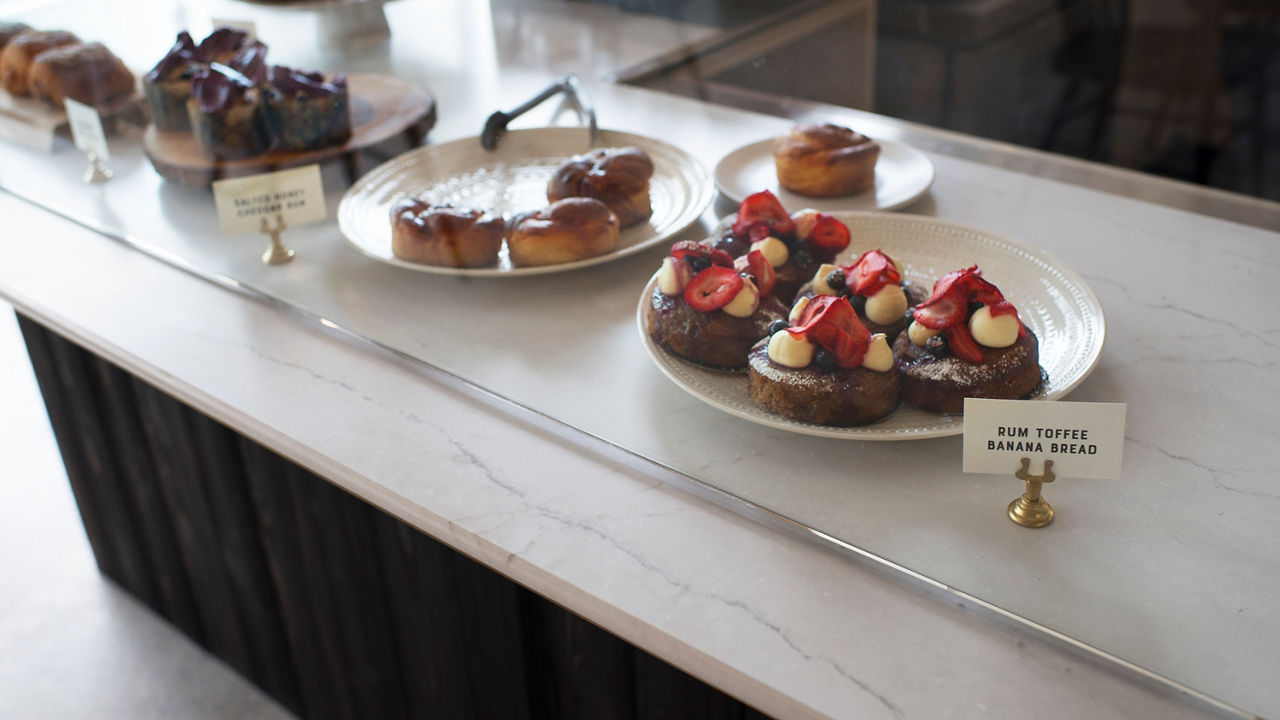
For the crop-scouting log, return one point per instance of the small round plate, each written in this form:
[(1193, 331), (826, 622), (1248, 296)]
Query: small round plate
[(1052, 300), (513, 179), (903, 174)]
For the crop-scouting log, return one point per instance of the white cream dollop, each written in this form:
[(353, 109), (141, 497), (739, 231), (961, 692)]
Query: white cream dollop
[(887, 305), (805, 220), (789, 352), (820, 286), (993, 331), (920, 334), (878, 357), (797, 309), (774, 250), (673, 276), (746, 301)]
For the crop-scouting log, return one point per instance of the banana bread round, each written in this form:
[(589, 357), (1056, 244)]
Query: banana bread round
[(942, 383), (714, 338), (841, 397)]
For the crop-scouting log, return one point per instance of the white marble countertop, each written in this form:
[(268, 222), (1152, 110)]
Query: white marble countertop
[(785, 624)]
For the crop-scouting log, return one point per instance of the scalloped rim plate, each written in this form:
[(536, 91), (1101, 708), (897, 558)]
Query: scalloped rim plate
[(512, 179), (903, 175), (1055, 302)]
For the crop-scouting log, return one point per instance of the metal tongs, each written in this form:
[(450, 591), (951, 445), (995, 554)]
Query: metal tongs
[(575, 95)]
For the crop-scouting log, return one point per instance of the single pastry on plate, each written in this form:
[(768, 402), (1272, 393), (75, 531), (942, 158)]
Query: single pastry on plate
[(571, 229), (307, 110), (21, 51), (823, 366), (966, 341), (227, 114), (875, 288), (706, 310), (618, 177), (825, 160), (88, 73), (796, 245), (445, 235)]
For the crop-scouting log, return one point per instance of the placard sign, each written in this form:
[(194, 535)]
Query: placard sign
[(1084, 440), (296, 195), (86, 129)]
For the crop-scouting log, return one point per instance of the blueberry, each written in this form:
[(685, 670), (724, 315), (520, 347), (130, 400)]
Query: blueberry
[(801, 257), (936, 346), (778, 326), (910, 315), (859, 303), (824, 359), (835, 279), (699, 263)]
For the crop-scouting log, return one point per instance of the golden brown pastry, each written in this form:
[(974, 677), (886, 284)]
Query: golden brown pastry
[(618, 177), (11, 30), (90, 74), (825, 160), (445, 235), (18, 54), (571, 229)]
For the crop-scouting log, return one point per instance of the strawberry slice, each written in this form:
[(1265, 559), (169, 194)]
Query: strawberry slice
[(763, 209), (828, 235), (688, 248), (830, 322), (942, 313), (872, 271), (713, 288), (962, 343), (760, 269)]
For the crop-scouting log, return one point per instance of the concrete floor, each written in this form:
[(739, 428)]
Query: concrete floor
[(72, 644)]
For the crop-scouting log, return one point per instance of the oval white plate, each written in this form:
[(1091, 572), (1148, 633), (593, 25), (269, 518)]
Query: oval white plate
[(903, 174), (513, 179), (1052, 300)]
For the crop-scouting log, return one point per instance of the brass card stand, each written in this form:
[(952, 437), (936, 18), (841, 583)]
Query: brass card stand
[(277, 254), (96, 172), (1030, 510)]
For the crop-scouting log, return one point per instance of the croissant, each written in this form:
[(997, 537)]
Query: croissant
[(618, 177), (16, 58), (90, 74), (825, 160), (571, 229), (445, 235)]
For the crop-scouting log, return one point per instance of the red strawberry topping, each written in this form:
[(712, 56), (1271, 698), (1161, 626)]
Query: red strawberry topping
[(828, 236), (830, 322), (763, 209), (760, 269), (962, 343), (948, 308), (713, 288), (871, 272), (688, 248)]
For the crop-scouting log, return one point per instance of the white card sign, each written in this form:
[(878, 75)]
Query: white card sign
[(1084, 440), (86, 129), (296, 195)]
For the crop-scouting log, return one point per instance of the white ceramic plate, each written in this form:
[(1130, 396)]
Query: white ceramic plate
[(903, 174), (1051, 299), (513, 179)]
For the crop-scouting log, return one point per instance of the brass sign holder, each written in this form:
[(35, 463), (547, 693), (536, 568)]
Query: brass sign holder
[(277, 254), (96, 172), (1030, 510)]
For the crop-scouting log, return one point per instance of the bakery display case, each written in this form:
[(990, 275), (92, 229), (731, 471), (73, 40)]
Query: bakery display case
[(524, 414)]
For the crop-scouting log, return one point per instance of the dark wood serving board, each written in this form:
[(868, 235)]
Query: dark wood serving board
[(388, 116)]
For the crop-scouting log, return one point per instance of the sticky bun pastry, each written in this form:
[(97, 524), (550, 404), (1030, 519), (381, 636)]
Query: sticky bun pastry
[(709, 309), (444, 235), (823, 366), (89, 73), (571, 229), (307, 110), (21, 51), (875, 288), (227, 115), (618, 177), (966, 341), (11, 30), (825, 160)]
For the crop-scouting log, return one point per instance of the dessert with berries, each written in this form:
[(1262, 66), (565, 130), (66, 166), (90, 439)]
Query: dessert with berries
[(795, 245), (706, 309), (824, 366), (825, 160), (875, 288), (168, 85), (966, 341), (306, 110), (617, 177)]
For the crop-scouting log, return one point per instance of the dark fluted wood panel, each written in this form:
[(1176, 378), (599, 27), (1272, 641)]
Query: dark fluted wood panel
[(333, 607)]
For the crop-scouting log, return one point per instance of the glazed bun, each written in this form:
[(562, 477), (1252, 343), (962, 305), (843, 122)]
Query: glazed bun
[(825, 160), (21, 51), (618, 177), (90, 74), (571, 229), (445, 235)]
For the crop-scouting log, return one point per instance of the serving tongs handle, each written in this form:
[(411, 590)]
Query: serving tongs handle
[(574, 92)]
